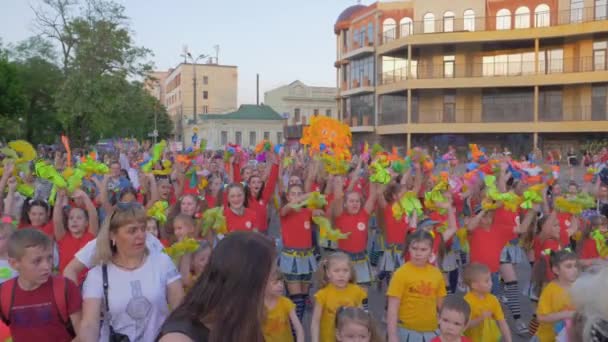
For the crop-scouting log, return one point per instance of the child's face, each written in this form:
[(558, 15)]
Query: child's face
[(482, 283), (151, 227), (353, 203), (77, 221), (551, 227), (275, 288), (246, 173), (182, 230), (572, 190), (338, 273), (255, 184), (420, 252), (188, 206), (200, 260), (294, 194), (36, 264), (216, 185), (164, 190), (451, 324), (353, 332), (37, 215), (236, 198), (567, 271)]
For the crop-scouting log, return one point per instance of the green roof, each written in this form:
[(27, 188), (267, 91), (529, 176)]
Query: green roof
[(246, 112)]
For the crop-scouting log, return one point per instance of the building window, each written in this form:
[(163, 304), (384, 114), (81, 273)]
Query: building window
[(448, 66), (238, 138), (389, 27), (205, 109), (356, 38), (469, 20), (429, 23), (577, 8), (503, 19), (407, 27), (542, 16), (252, 139), (224, 138), (522, 17), (315, 112), (205, 80), (296, 114), (551, 61), (601, 9), (599, 102), (370, 34), (266, 135), (550, 105), (279, 137), (205, 95), (600, 52), (449, 108), (328, 112), (448, 21)]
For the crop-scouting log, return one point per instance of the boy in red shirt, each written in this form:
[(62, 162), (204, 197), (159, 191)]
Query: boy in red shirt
[(30, 306)]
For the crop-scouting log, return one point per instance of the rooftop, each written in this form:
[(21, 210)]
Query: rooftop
[(245, 112)]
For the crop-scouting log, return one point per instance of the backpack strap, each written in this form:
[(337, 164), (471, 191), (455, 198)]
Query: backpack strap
[(7, 296), (60, 297)]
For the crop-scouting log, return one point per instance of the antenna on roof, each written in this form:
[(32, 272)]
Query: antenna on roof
[(217, 53)]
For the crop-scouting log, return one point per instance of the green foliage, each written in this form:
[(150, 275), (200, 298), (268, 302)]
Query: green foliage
[(87, 88)]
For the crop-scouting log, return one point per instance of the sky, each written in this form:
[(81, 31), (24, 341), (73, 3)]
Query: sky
[(282, 40)]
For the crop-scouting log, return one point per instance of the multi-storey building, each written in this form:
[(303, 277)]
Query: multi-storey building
[(520, 73), (298, 102), (216, 91)]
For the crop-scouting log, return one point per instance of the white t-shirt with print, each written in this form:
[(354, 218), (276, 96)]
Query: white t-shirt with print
[(138, 299), (86, 254)]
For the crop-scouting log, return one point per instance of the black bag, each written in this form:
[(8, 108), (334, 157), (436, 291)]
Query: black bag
[(114, 336)]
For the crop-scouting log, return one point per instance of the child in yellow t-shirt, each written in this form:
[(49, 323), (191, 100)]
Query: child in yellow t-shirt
[(555, 305), (280, 312), (355, 324), (336, 279), (486, 311), (415, 292)]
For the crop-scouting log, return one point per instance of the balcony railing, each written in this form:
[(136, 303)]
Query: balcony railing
[(494, 69), (496, 23), (392, 118), (358, 120)]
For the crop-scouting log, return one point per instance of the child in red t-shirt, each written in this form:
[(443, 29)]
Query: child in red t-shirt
[(35, 315), (593, 245), (36, 215), (238, 217), (72, 239), (453, 319)]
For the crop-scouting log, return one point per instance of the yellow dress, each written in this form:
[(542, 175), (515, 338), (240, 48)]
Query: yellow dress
[(332, 298), (553, 299), (277, 327), (418, 288), (488, 330)]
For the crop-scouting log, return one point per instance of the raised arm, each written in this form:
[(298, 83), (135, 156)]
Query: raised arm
[(60, 203), (91, 211)]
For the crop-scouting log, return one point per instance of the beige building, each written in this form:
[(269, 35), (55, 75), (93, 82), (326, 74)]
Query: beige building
[(497, 72), (297, 102), (216, 91), (246, 127)]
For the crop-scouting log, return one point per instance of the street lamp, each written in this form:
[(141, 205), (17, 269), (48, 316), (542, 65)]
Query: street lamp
[(194, 60)]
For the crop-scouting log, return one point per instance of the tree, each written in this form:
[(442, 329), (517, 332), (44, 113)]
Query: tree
[(12, 99)]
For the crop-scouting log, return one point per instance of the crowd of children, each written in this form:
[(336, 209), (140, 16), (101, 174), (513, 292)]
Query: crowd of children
[(444, 240)]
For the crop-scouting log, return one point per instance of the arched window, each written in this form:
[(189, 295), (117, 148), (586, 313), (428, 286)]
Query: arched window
[(429, 23), (370, 33), (503, 19), (469, 20), (407, 26), (542, 16), (522, 17), (448, 21), (389, 29)]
